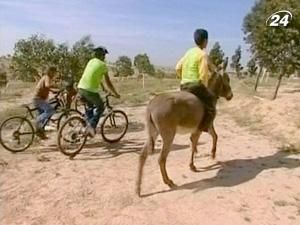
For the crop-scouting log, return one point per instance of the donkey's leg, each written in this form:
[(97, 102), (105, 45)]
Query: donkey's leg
[(142, 161), (153, 134), (148, 147), (167, 138), (214, 135), (194, 141)]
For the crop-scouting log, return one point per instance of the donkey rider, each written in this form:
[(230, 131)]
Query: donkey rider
[(193, 70)]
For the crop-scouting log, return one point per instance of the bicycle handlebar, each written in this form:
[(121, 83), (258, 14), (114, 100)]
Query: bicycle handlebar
[(57, 93)]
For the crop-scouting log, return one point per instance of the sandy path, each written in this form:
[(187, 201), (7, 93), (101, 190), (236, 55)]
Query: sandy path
[(251, 183)]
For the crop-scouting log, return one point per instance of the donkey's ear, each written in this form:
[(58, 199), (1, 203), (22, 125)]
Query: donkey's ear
[(219, 68), (225, 63), (211, 66)]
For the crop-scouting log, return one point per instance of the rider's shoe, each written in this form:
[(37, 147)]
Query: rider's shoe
[(41, 134), (90, 131)]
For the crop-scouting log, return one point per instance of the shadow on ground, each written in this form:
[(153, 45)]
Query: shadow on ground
[(135, 127), (103, 150), (237, 171)]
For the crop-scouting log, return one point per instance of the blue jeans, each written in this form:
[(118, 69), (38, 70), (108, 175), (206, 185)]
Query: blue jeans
[(95, 107), (45, 111)]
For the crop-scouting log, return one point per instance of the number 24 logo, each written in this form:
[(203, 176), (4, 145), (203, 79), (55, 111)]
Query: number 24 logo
[(276, 20)]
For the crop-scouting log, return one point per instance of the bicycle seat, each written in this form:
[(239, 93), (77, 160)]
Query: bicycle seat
[(81, 99)]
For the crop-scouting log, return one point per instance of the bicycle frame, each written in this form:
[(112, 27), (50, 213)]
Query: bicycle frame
[(107, 105), (56, 100), (108, 109)]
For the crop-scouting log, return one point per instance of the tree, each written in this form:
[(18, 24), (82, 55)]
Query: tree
[(32, 55), (277, 48), (3, 78), (143, 65), (81, 53), (258, 77), (124, 66), (216, 55), (235, 61), (160, 73), (63, 59), (252, 68)]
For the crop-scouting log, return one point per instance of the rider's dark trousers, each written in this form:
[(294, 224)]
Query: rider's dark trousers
[(95, 106), (206, 97)]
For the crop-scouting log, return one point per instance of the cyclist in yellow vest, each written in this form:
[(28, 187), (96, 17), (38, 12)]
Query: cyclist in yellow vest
[(193, 70), (94, 73)]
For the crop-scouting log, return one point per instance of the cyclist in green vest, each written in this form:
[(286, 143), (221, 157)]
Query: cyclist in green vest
[(193, 70), (88, 87)]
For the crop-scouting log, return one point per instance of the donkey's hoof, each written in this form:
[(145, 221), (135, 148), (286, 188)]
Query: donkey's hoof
[(193, 168), (171, 184), (138, 192), (138, 188)]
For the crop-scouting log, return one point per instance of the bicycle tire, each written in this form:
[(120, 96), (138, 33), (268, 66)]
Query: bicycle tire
[(108, 116), (60, 138), (68, 113), (16, 135)]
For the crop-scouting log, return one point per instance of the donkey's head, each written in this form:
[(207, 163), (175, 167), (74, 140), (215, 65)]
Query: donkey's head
[(219, 83)]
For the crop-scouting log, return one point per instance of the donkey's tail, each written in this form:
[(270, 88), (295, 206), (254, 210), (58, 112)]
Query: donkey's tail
[(152, 132), (148, 148)]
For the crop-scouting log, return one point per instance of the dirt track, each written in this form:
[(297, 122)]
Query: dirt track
[(249, 183)]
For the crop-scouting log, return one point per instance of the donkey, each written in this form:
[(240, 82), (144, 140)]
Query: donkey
[(179, 112)]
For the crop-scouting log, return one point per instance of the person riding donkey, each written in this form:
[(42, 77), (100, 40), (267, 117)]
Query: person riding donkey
[(88, 87), (194, 71)]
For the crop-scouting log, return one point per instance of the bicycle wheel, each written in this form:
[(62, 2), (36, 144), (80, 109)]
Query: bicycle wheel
[(114, 126), (71, 136), (16, 134), (65, 115)]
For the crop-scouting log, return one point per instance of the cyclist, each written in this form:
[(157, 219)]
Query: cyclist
[(45, 110), (92, 78)]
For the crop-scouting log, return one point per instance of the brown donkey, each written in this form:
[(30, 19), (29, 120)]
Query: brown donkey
[(180, 112)]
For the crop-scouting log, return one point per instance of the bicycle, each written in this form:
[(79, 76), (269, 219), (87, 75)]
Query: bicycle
[(17, 132), (112, 122)]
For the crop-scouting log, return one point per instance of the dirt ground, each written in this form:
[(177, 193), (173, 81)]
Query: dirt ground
[(250, 182)]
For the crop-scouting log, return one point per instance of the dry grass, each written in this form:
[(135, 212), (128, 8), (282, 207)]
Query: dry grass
[(279, 119), (11, 98), (15, 89), (12, 112), (133, 93)]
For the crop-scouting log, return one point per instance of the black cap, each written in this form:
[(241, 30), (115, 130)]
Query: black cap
[(101, 50)]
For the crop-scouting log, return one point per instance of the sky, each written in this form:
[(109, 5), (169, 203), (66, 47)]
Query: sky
[(161, 28)]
